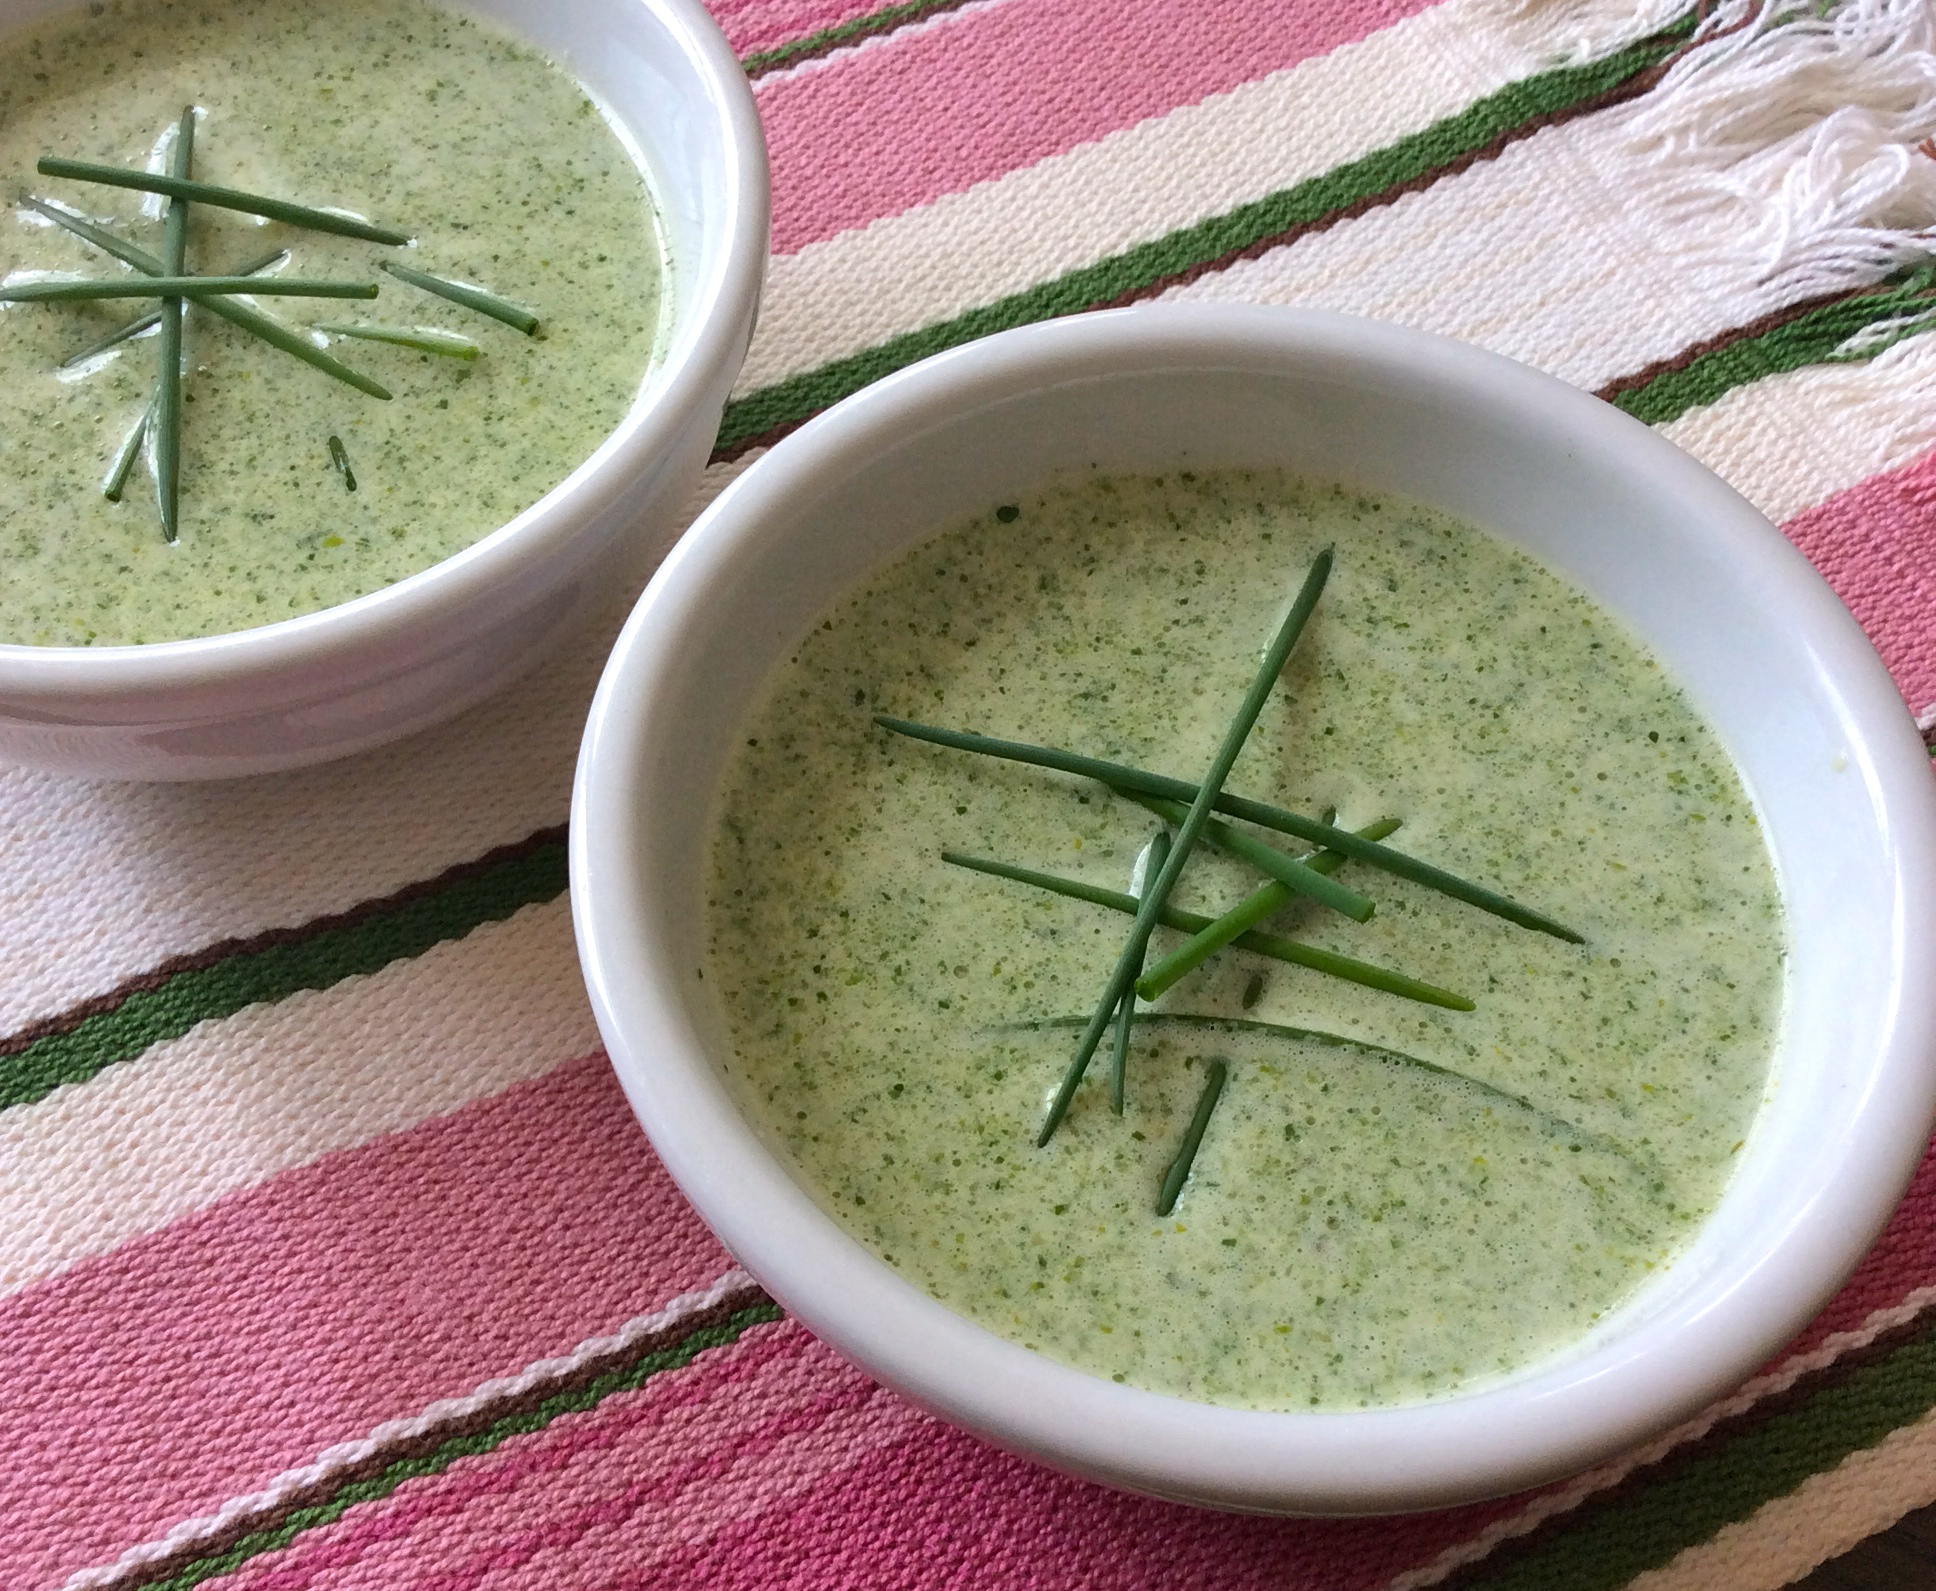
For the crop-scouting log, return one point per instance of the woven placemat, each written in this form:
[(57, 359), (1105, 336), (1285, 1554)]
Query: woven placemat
[(329, 1254)]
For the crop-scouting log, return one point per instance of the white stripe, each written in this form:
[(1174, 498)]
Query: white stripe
[(1595, 248), (1566, 1498), (447, 1411), (1541, 254), (1859, 420), (929, 264), (234, 1102)]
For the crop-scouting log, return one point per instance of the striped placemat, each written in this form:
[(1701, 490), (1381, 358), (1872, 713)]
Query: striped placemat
[(329, 1255)]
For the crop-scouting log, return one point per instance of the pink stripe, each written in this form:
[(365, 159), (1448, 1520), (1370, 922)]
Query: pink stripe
[(656, 1440), (992, 90), (940, 1508), (1903, 1259), (193, 1365), (772, 1463), (755, 26), (1876, 543)]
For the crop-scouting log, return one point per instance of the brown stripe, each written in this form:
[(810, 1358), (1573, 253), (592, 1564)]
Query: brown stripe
[(423, 1443), (209, 955), (1772, 321), (1667, 1471)]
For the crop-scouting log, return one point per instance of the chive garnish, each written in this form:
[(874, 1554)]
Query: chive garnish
[(123, 465), (339, 457), (470, 297), (168, 386), (1127, 965), (1121, 777), (1240, 919), (250, 320), (1268, 860), (1186, 1152), (136, 327), (172, 284), (1159, 853), (425, 339), (1277, 948), (173, 187), (1340, 1041)]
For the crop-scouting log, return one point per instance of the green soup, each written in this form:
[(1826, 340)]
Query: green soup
[(496, 163), (1418, 1201)]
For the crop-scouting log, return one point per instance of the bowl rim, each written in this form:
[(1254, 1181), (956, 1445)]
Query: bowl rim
[(699, 339), (1536, 1426)]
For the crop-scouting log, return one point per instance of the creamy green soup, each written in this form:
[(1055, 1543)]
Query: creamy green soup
[(1358, 1228), (496, 163)]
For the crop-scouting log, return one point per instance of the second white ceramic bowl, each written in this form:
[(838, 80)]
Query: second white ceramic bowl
[(1763, 647), (403, 658)]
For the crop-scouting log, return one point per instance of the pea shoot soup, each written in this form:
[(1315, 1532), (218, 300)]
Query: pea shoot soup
[(1377, 1142), (296, 303)]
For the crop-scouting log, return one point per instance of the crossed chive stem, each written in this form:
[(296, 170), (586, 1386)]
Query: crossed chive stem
[(1185, 809), (167, 279)]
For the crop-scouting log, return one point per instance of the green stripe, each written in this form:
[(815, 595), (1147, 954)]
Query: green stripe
[(1601, 1548), (1408, 161), (859, 27), (1807, 340), (374, 1487), (314, 962)]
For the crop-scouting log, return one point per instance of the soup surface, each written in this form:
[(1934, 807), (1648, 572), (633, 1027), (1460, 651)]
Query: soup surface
[(496, 163), (1358, 1228)]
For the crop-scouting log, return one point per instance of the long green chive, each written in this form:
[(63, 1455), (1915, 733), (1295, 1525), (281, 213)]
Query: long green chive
[(173, 187), (1186, 1152), (136, 327), (1155, 896), (425, 339), (168, 386), (1340, 1041), (1159, 853), (1240, 919), (1328, 962), (172, 284), (470, 297), (250, 320), (1268, 860), (123, 465), (1120, 777), (339, 457)]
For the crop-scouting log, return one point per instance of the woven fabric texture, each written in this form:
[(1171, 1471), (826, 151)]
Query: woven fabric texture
[(329, 1254)]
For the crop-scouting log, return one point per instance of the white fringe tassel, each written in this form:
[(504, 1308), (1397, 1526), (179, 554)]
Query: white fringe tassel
[(1586, 30), (1796, 135)]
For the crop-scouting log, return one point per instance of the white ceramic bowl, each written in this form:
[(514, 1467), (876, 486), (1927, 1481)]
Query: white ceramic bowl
[(368, 671), (1766, 651)]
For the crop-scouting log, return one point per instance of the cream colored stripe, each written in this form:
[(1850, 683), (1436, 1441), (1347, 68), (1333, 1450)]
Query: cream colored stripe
[(100, 881), (234, 1102), (1792, 441), (1564, 1499), (934, 262), (1822, 1518), (1554, 253)]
